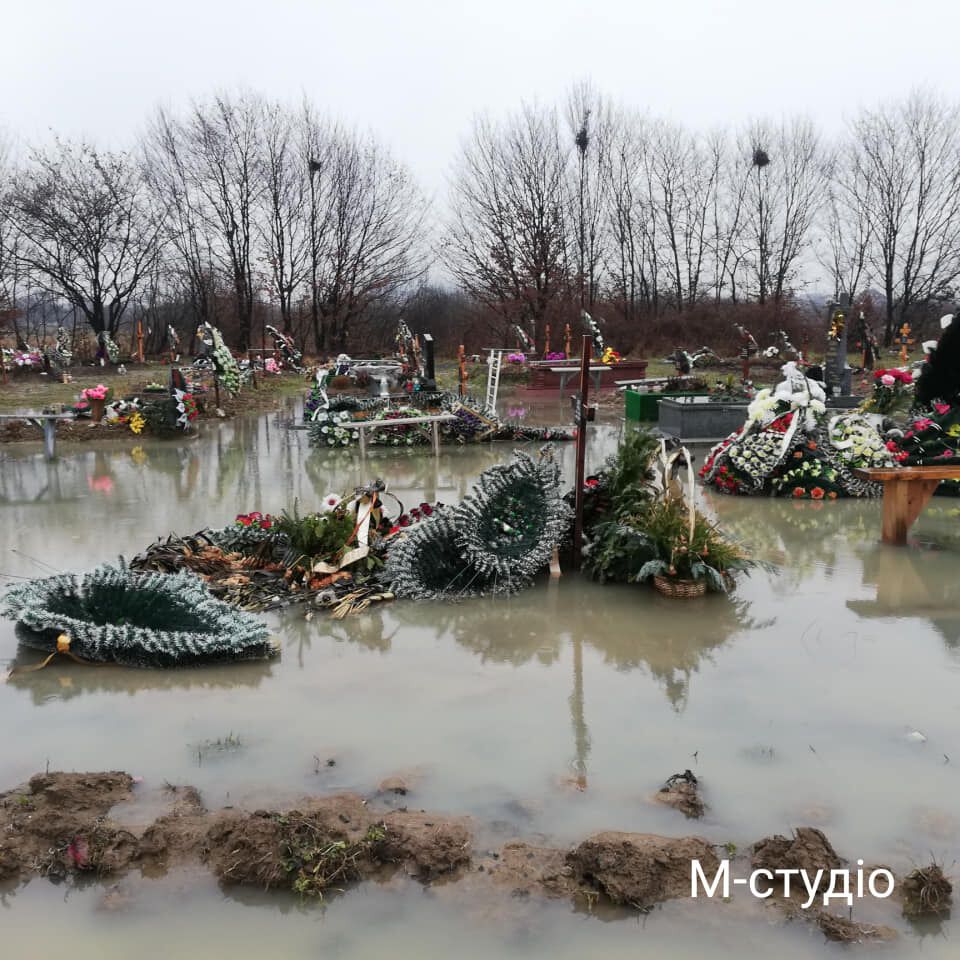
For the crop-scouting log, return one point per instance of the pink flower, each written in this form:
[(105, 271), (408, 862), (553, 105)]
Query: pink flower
[(921, 423), (888, 380), (942, 408), (101, 484)]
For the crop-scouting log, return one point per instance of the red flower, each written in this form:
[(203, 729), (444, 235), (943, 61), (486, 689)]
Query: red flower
[(799, 492), (591, 483), (404, 520), (394, 529), (266, 524), (817, 493), (891, 446), (832, 495), (426, 509)]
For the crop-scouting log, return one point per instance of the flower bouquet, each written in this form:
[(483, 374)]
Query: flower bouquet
[(610, 356), (892, 392), (516, 358), (97, 398), (186, 408), (934, 439)]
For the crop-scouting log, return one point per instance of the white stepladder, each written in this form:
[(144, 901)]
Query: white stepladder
[(494, 362)]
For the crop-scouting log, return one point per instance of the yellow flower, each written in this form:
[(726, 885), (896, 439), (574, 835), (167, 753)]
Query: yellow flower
[(137, 423), (953, 430)]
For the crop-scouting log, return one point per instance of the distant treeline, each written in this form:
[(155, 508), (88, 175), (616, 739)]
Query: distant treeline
[(241, 211)]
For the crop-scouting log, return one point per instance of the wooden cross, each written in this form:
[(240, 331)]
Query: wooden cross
[(905, 342)]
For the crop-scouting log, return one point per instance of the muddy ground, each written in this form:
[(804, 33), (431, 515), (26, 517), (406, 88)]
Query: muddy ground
[(68, 825)]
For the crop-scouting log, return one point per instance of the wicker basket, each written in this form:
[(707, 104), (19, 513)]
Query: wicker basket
[(680, 588)]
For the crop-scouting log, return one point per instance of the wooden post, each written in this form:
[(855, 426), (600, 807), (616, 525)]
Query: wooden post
[(462, 373), (581, 421), (566, 341), (139, 340)]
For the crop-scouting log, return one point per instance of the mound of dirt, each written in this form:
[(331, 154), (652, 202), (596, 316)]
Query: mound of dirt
[(528, 869), (176, 837), (926, 892), (57, 822), (640, 869), (428, 845), (844, 930), (272, 848), (809, 850), (682, 792)]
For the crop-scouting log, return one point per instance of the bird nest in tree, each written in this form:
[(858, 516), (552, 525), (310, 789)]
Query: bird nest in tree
[(496, 541), (117, 615)]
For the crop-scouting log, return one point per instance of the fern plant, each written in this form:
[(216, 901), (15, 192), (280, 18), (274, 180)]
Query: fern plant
[(315, 536)]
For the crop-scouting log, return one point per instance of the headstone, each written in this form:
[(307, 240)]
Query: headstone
[(837, 371), (429, 370)]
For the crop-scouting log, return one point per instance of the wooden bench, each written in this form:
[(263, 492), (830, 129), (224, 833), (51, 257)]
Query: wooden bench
[(906, 491), (49, 423)]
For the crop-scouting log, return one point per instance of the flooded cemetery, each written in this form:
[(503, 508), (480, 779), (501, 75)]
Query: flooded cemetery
[(454, 511), (471, 758)]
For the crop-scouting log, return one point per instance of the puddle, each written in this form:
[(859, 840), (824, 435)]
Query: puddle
[(793, 703)]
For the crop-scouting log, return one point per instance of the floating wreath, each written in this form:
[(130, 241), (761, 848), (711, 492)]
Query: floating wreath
[(117, 615), (495, 541)]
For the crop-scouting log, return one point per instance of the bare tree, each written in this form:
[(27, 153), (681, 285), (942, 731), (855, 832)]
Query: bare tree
[(285, 228), (789, 170), (508, 239), (908, 157), (845, 243), (370, 244), (590, 125), (86, 229), (219, 146), (170, 170), (728, 214), (630, 266)]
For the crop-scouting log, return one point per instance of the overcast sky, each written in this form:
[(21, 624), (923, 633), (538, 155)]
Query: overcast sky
[(417, 71)]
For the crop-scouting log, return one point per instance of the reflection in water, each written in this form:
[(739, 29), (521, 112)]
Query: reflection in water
[(797, 536), (496, 698), (63, 680), (911, 582)]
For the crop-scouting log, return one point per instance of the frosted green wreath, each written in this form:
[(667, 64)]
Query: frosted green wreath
[(139, 619), (496, 541)]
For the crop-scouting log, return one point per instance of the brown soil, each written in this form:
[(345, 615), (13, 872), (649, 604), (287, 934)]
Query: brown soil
[(59, 825), (808, 850), (682, 792), (926, 891), (844, 930), (55, 824), (640, 869), (530, 870)]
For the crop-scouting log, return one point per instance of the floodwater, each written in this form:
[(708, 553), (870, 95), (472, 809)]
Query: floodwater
[(799, 701)]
